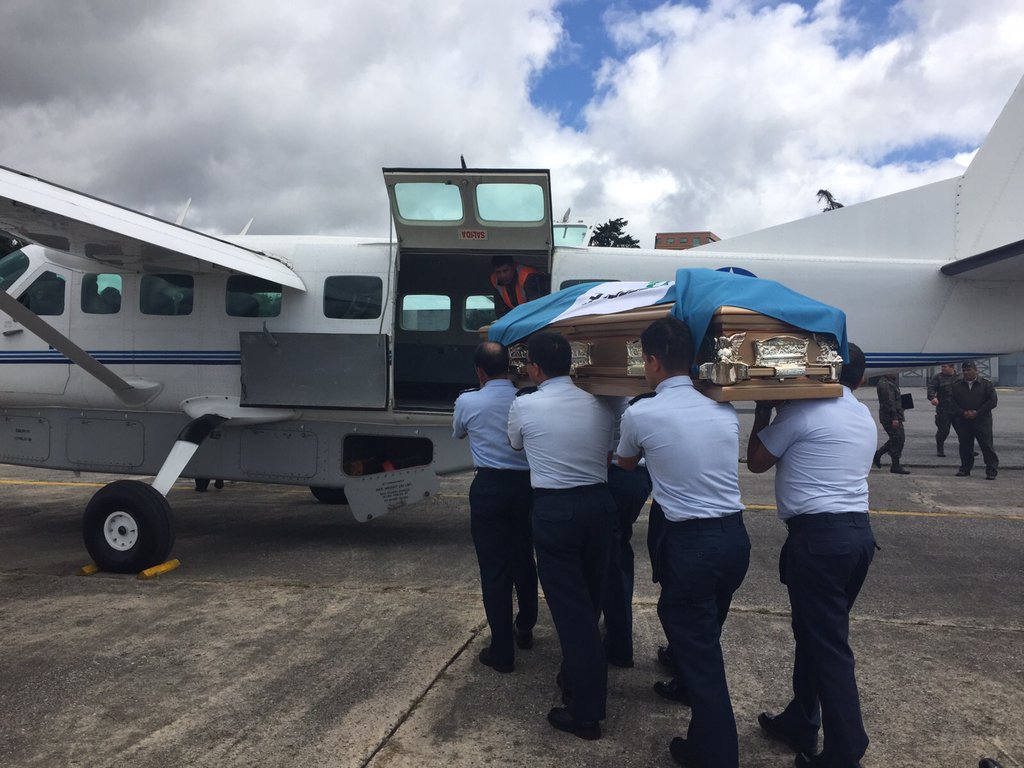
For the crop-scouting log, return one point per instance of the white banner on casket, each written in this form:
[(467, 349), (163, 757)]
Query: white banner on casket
[(609, 298)]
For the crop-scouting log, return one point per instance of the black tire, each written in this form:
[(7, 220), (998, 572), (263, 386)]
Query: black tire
[(329, 495), (128, 527), (202, 483)]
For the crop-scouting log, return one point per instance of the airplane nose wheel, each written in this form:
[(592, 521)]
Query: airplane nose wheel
[(128, 527)]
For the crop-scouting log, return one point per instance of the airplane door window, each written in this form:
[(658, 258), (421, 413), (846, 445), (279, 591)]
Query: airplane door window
[(478, 311), (101, 294), (424, 312), (353, 297), (12, 266), (46, 295), (166, 295), (248, 296)]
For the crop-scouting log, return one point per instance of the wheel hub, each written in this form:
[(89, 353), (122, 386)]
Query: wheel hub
[(121, 531)]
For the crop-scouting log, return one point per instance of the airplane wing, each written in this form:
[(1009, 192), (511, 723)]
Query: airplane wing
[(1003, 264), (55, 217)]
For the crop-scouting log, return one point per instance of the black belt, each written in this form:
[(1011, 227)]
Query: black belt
[(703, 523), (825, 520), (565, 491), (501, 472)]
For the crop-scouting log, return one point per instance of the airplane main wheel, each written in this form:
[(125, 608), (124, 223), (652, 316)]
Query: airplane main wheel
[(128, 527), (329, 495)]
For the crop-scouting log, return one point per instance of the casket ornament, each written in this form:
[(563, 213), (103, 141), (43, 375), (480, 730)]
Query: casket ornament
[(728, 367), (787, 355)]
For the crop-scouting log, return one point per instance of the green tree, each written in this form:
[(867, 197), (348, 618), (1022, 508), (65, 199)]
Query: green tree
[(824, 196), (610, 235)]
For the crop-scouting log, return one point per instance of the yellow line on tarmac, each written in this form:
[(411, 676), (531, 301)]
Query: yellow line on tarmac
[(50, 482)]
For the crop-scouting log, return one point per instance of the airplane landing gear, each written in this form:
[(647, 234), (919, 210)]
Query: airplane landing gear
[(329, 495), (128, 527)]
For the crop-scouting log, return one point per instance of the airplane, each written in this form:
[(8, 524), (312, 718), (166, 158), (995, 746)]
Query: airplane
[(137, 346)]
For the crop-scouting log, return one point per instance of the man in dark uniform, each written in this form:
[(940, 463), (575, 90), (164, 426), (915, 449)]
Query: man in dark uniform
[(940, 394), (565, 433), (890, 415), (821, 450), (973, 401), (500, 503)]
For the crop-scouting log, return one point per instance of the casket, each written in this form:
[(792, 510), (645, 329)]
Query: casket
[(745, 355)]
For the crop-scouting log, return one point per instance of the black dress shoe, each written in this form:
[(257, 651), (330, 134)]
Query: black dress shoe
[(897, 469), (560, 718), (672, 690), (988, 762), (665, 658), (963, 472), (773, 729), (990, 475), (941, 454), (681, 753), (523, 637), (486, 660)]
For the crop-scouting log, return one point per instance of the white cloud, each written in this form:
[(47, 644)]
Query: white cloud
[(728, 116)]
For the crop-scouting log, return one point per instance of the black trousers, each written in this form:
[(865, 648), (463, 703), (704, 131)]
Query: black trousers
[(500, 503), (572, 531), (980, 429), (823, 564), (630, 490), (702, 563)]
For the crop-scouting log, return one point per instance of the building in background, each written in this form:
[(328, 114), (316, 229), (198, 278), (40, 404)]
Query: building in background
[(680, 241)]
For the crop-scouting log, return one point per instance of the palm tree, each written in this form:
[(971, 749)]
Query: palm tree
[(824, 196)]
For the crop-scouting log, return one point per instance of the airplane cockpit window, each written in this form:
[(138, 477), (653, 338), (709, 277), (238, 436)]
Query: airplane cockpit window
[(428, 201), (510, 202), (12, 266), (353, 297), (249, 296), (571, 235), (477, 312), (101, 294), (46, 294), (165, 295), (426, 312)]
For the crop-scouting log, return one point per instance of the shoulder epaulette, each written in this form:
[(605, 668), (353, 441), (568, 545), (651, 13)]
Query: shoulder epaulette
[(643, 396), (471, 389), (525, 391)]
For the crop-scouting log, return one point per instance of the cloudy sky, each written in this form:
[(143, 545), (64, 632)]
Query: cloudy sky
[(726, 115)]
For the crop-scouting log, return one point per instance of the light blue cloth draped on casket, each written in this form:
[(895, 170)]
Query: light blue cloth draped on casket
[(695, 295)]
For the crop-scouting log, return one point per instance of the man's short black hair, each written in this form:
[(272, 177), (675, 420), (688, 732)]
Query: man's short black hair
[(551, 352), (501, 259), (491, 358), (853, 371), (670, 340)]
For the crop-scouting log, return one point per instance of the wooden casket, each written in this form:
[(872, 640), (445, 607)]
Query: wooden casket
[(745, 355)]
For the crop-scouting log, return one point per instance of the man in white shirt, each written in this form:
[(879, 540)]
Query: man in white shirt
[(565, 433), (822, 452), (691, 446), (500, 503)]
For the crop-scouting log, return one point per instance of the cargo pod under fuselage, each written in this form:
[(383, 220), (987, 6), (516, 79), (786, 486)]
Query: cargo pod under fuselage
[(449, 224)]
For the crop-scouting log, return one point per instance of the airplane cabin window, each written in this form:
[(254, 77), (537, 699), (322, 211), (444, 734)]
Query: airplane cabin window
[(101, 294), (477, 312), (353, 297), (46, 295), (428, 201), (165, 295), (12, 266), (510, 202), (249, 296), (423, 312)]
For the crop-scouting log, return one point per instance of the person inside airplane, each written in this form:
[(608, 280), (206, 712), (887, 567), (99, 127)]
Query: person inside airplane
[(515, 283)]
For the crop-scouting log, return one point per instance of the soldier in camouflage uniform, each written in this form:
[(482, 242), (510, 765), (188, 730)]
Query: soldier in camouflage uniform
[(940, 393), (890, 414)]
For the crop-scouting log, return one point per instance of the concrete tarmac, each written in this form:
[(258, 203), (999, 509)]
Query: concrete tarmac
[(293, 636)]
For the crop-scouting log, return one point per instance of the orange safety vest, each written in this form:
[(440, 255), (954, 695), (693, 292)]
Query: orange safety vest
[(522, 272)]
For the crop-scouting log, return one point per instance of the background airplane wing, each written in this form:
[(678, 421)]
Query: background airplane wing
[(49, 215)]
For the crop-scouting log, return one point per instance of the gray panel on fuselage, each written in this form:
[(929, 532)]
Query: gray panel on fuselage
[(314, 370), (106, 442), (280, 454), (24, 438)]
